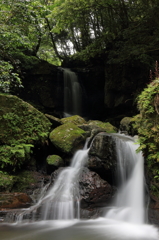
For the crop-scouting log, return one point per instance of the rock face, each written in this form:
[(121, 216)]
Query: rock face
[(94, 191), (102, 152), (43, 87)]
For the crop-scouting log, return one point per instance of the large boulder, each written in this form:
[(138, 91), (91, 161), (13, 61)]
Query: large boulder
[(68, 137), (94, 191), (21, 127), (21, 122), (102, 153)]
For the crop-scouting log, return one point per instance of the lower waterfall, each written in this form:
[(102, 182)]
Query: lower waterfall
[(60, 208), (129, 202)]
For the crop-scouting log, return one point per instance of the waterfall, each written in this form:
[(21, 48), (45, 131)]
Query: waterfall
[(129, 201), (61, 205), (72, 94), (62, 200)]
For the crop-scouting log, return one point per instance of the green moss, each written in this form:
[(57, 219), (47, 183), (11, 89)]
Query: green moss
[(147, 125), (21, 122), (13, 157), (77, 120), (54, 160), (67, 136), (105, 125), (21, 126)]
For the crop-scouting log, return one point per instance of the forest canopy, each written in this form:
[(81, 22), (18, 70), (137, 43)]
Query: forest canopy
[(54, 30)]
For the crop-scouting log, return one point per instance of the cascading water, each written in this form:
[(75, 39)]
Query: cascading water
[(62, 200), (72, 94), (129, 202), (125, 221)]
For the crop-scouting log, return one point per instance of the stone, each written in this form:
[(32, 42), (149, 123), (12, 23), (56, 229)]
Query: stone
[(76, 119), (54, 162), (21, 128), (102, 153), (14, 200), (106, 126), (94, 191), (68, 138)]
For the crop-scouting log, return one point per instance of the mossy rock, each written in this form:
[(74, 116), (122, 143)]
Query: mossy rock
[(68, 137), (55, 160), (77, 120), (21, 122), (106, 126), (21, 127)]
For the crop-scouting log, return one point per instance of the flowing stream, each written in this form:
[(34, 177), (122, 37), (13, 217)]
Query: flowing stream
[(60, 208)]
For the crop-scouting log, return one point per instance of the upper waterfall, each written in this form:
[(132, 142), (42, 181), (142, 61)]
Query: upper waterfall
[(72, 94)]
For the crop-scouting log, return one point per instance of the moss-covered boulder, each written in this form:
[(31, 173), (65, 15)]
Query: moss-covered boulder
[(21, 122), (106, 126), (77, 120), (54, 162), (68, 137), (21, 127)]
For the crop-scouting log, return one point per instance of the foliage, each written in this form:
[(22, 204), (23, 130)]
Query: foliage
[(13, 157), (8, 78), (55, 30), (147, 125), (6, 181)]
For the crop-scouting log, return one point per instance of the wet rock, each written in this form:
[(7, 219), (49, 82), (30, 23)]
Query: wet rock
[(102, 154), (94, 191), (14, 200)]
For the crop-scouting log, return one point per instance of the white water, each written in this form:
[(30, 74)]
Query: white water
[(125, 221), (72, 94), (129, 202), (62, 200)]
